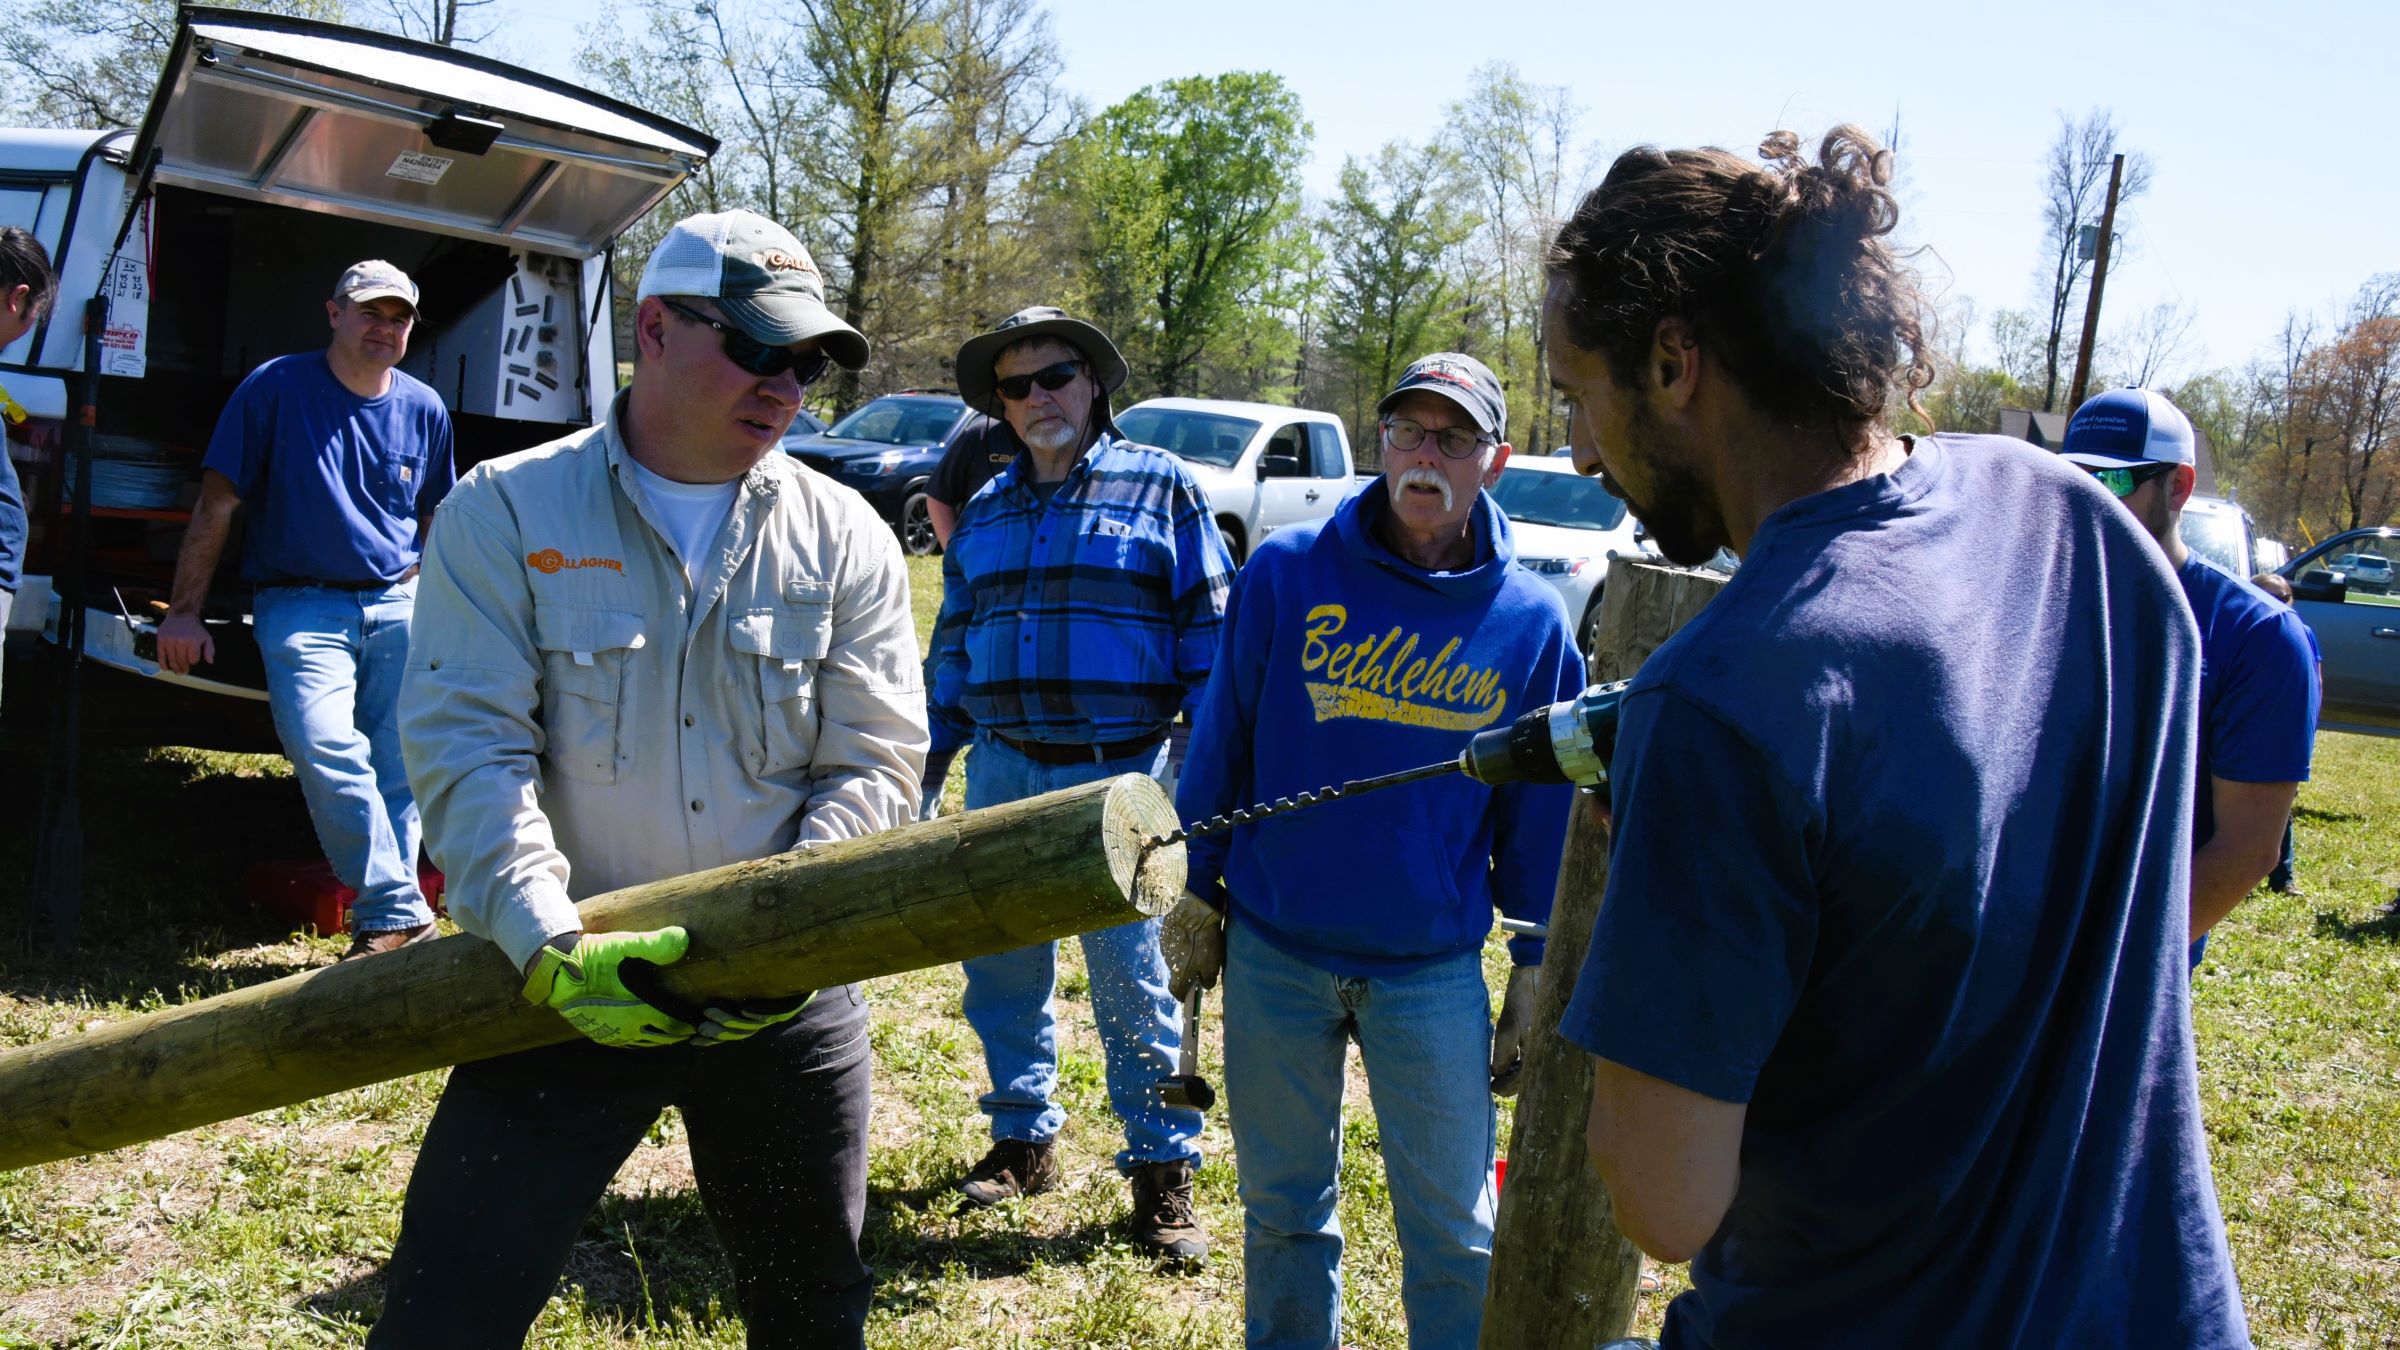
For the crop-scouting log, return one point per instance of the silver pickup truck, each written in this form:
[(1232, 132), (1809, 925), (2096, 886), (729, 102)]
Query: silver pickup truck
[(2344, 591)]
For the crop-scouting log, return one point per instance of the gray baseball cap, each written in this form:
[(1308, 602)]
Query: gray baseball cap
[(375, 279), (758, 274), (1463, 380)]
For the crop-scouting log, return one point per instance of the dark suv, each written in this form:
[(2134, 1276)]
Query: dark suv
[(887, 449)]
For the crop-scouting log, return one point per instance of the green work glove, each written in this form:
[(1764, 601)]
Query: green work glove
[(587, 986), (718, 1026)]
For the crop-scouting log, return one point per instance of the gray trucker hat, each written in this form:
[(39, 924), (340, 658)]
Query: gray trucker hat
[(758, 274)]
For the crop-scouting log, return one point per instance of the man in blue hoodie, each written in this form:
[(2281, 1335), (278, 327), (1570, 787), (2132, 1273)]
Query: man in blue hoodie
[(1376, 641)]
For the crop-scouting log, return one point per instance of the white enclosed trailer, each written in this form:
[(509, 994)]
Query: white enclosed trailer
[(276, 152)]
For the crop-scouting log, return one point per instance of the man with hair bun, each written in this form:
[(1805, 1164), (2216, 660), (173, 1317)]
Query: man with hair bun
[(1887, 1000)]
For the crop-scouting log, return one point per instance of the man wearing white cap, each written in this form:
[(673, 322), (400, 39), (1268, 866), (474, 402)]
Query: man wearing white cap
[(2258, 679), (340, 458), (651, 648)]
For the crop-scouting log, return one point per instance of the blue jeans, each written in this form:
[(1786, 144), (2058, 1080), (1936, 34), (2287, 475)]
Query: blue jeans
[(1426, 1040), (1008, 996), (334, 659)]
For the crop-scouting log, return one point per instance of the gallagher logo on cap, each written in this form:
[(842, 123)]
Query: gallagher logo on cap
[(776, 260)]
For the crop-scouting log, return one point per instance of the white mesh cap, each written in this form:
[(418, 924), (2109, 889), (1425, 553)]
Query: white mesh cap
[(758, 274)]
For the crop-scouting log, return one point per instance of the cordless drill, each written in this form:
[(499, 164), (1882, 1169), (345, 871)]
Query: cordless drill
[(1566, 742)]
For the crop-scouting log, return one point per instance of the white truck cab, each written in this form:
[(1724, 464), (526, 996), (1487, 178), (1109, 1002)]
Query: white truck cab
[(1263, 466), (276, 152)]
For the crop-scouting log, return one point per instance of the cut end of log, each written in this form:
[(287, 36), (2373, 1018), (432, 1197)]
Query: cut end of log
[(1137, 814)]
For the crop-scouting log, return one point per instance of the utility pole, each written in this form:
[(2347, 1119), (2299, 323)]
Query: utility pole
[(2091, 301)]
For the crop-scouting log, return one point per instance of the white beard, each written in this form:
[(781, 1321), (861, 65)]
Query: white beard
[(1425, 477), (1052, 437)]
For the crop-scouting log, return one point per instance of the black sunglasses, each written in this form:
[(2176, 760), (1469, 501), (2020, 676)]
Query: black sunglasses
[(758, 357), (1016, 388)]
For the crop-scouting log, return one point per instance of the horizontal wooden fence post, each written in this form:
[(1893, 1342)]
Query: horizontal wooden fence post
[(924, 895)]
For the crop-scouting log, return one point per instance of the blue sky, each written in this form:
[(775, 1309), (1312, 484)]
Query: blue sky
[(2269, 126)]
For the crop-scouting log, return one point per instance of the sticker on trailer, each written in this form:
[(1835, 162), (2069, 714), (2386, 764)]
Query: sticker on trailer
[(124, 344), (418, 167)]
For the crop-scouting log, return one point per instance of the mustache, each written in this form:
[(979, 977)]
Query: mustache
[(1422, 476)]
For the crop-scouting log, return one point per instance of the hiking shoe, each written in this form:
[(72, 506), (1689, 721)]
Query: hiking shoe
[(1164, 1224), (386, 940), (1014, 1167)]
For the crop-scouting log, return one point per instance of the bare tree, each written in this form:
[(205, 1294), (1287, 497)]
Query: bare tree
[(2158, 344), (93, 63), (435, 21), (2075, 188)]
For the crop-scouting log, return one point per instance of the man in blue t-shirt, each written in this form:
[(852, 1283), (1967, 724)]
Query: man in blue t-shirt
[(1379, 640), (1886, 996), (2258, 677), (341, 459)]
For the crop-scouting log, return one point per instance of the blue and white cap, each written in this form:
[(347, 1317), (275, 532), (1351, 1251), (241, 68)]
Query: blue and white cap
[(2127, 428)]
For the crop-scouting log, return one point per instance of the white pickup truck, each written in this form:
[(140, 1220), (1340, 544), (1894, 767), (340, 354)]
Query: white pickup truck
[(1263, 466)]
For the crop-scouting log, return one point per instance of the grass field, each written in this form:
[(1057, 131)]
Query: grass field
[(273, 1230)]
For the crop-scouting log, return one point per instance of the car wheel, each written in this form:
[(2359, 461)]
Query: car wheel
[(1233, 541), (1587, 633), (916, 527)]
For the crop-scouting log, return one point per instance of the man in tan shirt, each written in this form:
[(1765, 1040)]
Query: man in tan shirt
[(651, 648)]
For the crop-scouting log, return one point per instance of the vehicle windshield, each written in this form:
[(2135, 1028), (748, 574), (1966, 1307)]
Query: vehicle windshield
[(2219, 537), (1569, 501), (1204, 438), (899, 421)]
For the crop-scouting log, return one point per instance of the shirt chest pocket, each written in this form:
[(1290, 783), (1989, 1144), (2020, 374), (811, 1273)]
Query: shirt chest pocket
[(783, 645), (397, 474), (584, 654), (1113, 543)]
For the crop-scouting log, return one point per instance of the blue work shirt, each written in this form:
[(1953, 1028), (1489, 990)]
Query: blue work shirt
[(2258, 691), (335, 483), (1085, 615), (1902, 860)]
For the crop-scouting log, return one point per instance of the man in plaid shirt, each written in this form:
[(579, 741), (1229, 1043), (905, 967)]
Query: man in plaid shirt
[(1083, 592)]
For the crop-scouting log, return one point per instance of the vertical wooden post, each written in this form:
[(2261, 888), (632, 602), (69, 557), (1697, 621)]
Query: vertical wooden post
[(1563, 1277)]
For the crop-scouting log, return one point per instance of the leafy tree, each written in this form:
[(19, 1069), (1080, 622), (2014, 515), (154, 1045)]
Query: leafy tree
[(1391, 236), (1183, 190), (1510, 138)]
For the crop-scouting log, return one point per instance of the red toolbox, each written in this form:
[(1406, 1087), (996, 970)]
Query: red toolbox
[(309, 893)]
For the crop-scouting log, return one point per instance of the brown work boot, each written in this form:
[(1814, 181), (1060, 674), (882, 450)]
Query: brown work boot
[(386, 940), (1164, 1224), (1013, 1168)]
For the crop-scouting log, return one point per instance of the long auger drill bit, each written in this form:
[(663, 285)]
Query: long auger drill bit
[(1250, 814)]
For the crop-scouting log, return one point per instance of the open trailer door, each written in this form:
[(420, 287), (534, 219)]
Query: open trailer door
[(325, 118)]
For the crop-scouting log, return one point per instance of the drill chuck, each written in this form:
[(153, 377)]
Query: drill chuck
[(1567, 742)]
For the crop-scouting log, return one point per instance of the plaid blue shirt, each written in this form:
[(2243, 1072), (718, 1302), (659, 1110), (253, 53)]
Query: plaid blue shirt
[(1088, 618)]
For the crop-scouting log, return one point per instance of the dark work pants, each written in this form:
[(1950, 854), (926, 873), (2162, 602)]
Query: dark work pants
[(2281, 878), (523, 1146)]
